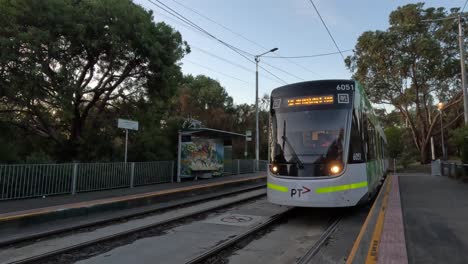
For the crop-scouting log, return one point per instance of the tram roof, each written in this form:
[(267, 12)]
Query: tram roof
[(315, 84)]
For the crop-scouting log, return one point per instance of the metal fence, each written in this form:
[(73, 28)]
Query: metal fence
[(36, 180), (454, 170), (241, 166)]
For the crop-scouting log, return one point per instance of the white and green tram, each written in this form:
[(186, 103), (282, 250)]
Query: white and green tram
[(326, 146)]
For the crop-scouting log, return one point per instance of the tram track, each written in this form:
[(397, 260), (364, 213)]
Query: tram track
[(322, 222), (247, 194), (307, 258), (18, 241), (233, 245), (230, 242)]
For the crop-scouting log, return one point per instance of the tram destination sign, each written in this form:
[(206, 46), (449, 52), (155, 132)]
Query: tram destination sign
[(310, 100)]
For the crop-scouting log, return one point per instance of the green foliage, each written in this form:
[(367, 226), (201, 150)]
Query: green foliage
[(464, 157), (38, 157), (65, 64), (409, 65), (457, 136), (69, 69), (8, 151), (394, 139)]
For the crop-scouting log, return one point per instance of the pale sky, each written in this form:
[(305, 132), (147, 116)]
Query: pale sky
[(292, 26)]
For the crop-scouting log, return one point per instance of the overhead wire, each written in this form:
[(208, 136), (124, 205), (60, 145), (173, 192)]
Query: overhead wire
[(221, 58), (464, 6), (283, 71), (179, 16), (308, 56), (213, 70), (241, 36), (239, 51), (217, 23), (325, 25), (228, 61)]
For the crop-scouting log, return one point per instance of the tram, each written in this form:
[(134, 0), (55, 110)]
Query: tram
[(326, 146)]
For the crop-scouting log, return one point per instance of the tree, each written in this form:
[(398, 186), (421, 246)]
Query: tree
[(394, 141), (204, 99), (65, 63), (457, 138), (410, 65)]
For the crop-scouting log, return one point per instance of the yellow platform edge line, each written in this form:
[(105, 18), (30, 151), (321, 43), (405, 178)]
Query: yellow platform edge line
[(46, 210), (357, 242)]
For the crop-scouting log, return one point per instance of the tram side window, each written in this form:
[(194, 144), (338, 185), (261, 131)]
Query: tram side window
[(356, 150), (371, 151)]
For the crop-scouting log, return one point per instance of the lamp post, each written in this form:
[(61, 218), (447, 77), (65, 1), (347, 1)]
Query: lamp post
[(257, 142), (440, 106), (462, 64)]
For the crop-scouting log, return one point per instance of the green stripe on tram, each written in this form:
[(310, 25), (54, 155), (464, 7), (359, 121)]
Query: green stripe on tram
[(340, 188), (277, 187)]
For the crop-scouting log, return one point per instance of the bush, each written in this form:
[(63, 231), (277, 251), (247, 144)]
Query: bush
[(464, 156), (38, 157)]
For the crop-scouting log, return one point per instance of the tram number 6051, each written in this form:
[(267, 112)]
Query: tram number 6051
[(345, 87)]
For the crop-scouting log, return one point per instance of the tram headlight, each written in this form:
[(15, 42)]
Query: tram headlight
[(335, 168), (274, 169)]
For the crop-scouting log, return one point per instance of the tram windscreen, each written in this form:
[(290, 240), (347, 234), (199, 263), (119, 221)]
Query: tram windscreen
[(310, 136)]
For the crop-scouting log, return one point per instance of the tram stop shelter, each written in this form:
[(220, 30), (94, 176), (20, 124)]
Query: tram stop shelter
[(206, 152)]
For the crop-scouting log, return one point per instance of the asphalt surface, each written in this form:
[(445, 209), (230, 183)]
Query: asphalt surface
[(435, 212)]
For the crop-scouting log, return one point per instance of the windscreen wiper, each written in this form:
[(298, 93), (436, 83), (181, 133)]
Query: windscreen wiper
[(285, 139)]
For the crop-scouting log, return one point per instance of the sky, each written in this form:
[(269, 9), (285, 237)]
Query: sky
[(292, 26)]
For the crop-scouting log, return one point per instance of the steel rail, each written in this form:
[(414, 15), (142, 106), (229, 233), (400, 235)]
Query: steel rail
[(102, 222), (217, 249), (307, 258), (54, 253)]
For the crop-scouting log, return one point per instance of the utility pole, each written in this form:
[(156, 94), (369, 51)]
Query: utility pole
[(462, 64), (432, 139), (440, 105), (257, 137), (461, 44), (126, 143)]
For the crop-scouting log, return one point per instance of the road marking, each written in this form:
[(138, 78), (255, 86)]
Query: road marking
[(373, 251), (357, 242), (50, 209)]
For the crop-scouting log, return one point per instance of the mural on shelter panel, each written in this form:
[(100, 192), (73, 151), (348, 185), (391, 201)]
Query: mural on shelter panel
[(202, 155)]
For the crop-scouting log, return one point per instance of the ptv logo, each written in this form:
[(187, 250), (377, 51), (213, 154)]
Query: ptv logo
[(299, 191)]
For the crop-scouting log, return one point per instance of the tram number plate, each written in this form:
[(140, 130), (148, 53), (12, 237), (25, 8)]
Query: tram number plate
[(299, 193)]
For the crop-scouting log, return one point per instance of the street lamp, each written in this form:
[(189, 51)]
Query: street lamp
[(440, 106), (257, 143)]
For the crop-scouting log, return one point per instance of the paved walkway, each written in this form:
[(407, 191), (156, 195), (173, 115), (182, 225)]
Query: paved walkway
[(417, 218), (435, 213), (35, 203)]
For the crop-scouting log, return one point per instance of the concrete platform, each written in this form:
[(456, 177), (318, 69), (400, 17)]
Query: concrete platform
[(20, 213), (417, 218)]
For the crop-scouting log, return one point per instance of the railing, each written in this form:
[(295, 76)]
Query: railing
[(452, 169), (239, 166), (36, 180)]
